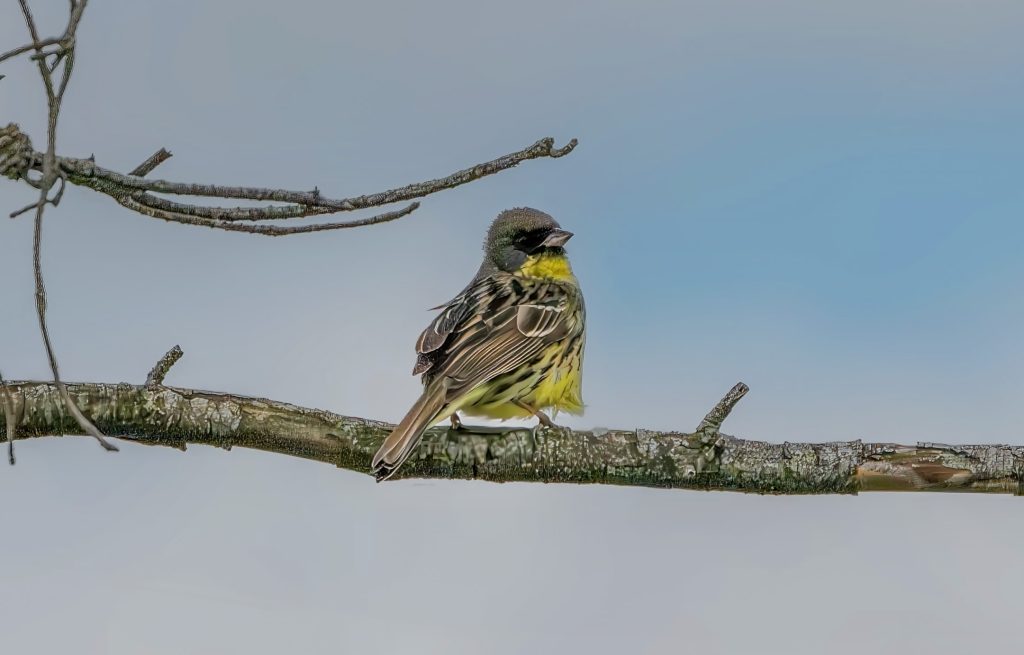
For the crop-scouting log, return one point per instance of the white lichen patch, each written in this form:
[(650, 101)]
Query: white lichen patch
[(218, 418)]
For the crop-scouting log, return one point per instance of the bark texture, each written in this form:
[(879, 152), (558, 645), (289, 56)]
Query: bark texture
[(703, 459)]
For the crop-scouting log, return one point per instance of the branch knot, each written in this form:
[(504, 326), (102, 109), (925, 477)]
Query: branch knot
[(16, 153)]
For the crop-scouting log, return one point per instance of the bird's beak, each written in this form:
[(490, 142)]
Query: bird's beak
[(557, 238)]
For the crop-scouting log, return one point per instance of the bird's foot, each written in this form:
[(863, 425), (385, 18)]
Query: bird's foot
[(545, 420), (542, 418)]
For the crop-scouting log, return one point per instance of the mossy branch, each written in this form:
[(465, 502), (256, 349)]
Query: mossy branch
[(168, 416)]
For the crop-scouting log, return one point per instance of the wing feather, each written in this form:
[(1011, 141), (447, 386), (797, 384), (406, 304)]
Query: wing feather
[(495, 326)]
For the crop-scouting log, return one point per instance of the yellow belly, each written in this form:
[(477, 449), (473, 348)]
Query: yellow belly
[(555, 387)]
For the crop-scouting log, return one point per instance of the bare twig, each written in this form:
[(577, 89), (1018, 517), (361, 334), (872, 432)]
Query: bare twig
[(79, 417), (27, 208), (139, 190), (65, 42), (159, 372), (146, 167), (55, 200), (271, 213), (265, 230), (217, 217), (14, 52), (178, 212), (82, 168), (713, 421), (31, 22), (135, 192)]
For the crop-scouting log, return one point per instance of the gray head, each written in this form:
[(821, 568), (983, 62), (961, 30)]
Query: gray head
[(518, 233)]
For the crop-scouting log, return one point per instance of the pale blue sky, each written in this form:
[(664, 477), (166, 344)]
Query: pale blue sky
[(820, 199)]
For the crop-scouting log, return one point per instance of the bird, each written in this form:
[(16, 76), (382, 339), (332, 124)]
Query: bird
[(510, 345)]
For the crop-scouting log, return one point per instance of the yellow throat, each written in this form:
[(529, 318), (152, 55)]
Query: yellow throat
[(548, 265)]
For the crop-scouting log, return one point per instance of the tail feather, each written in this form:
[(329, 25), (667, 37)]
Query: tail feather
[(406, 435)]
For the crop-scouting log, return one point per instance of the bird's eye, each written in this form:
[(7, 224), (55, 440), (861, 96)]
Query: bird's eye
[(531, 240)]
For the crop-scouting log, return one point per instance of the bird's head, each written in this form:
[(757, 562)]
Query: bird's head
[(520, 235)]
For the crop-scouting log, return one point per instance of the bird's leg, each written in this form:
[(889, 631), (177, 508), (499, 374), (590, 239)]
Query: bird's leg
[(456, 421), (544, 419)]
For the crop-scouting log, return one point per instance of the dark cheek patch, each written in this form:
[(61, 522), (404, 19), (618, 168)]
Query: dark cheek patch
[(532, 241), (514, 260)]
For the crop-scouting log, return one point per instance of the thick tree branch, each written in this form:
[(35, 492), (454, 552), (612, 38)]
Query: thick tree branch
[(176, 417)]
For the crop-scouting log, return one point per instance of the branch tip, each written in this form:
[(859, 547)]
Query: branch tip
[(146, 167), (159, 371), (27, 208), (709, 427), (555, 153)]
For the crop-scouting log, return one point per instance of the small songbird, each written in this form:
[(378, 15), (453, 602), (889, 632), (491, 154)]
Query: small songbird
[(510, 345)]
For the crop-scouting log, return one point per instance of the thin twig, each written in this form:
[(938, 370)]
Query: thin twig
[(264, 230), (69, 62), (114, 182), (271, 213), (55, 200), (31, 22), (179, 212), (79, 417), (140, 190), (146, 167), (27, 208), (14, 52), (159, 372), (135, 192)]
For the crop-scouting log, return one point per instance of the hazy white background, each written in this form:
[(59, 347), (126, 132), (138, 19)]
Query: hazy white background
[(820, 199)]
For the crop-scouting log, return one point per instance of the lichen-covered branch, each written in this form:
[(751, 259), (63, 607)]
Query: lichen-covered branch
[(176, 417)]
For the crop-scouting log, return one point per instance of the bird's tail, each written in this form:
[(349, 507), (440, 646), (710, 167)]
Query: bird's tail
[(406, 435)]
